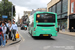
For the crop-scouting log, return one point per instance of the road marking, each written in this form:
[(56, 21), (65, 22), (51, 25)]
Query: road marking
[(22, 37), (68, 39), (46, 47)]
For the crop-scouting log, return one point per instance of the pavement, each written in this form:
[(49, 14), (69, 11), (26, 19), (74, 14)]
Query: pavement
[(10, 42), (61, 42), (67, 33)]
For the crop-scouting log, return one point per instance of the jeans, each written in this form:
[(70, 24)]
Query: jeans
[(10, 35), (14, 34), (4, 41)]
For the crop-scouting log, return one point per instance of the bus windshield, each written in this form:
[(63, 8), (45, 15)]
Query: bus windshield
[(45, 18)]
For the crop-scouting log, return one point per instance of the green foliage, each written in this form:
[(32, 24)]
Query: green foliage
[(6, 8)]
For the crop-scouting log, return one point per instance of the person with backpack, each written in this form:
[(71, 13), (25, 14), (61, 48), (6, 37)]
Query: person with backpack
[(7, 32), (4, 29), (1, 35)]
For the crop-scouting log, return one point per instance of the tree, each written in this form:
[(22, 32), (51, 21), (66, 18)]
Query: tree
[(6, 8)]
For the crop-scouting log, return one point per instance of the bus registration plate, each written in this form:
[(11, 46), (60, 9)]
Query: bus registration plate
[(45, 35)]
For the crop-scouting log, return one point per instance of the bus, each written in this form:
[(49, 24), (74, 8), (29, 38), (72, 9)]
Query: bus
[(43, 24)]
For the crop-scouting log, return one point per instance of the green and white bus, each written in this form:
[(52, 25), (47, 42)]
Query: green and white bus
[(43, 24)]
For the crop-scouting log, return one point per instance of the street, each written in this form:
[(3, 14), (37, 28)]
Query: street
[(61, 42)]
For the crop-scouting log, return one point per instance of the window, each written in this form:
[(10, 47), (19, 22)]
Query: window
[(45, 17), (63, 15), (59, 8), (49, 9), (72, 7), (58, 16), (53, 9), (65, 6)]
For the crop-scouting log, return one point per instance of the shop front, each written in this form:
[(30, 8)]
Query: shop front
[(72, 23)]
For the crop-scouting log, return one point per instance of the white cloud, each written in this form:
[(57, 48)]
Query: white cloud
[(25, 5), (20, 10)]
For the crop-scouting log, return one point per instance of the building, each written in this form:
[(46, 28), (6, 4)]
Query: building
[(27, 13), (39, 9), (65, 10), (42, 9), (25, 16)]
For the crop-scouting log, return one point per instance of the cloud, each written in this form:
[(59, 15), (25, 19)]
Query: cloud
[(31, 4), (20, 11), (25, 5)]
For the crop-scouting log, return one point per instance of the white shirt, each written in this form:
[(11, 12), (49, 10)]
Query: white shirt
[(9, 26), (4, 29), (14, 27)]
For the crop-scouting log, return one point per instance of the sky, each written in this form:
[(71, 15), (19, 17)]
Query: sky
[(28, 5)]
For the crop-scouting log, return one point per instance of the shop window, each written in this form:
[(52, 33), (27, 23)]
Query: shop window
[(72, 7)]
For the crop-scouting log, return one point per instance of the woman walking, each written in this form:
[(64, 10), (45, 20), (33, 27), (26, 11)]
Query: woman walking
[(4, 29)]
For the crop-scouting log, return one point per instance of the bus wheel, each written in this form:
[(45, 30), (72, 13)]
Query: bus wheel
[(50, 36), (32, 35)]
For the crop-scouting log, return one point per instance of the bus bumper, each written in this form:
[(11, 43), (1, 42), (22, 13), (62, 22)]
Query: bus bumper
[(42, 34)]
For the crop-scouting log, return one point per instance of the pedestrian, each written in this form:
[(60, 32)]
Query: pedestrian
[(4, 29), (9, 26), (14, 29), (1, 35), (7, 32), (63, 28)]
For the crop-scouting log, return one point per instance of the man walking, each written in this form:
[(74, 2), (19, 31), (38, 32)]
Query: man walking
[(14, 29), (4, 29)]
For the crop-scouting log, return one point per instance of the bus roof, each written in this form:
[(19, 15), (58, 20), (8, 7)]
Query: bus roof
[(44, 12)]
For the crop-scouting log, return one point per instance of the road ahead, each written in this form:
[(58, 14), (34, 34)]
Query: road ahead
[(61, 42)]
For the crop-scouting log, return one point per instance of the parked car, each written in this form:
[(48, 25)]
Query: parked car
[(23, 27)]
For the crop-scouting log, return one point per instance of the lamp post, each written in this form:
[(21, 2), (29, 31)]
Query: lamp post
[(12, 15)]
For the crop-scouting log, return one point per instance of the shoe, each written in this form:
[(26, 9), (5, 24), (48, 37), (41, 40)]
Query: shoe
[(13, 40), (2, 45), (6, 41)]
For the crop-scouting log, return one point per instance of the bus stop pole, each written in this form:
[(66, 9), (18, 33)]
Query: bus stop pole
[(12, 15)]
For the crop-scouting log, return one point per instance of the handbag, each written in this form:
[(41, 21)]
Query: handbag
[(17, 35)]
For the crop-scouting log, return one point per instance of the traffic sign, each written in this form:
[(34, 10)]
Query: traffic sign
[(4, 16)]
